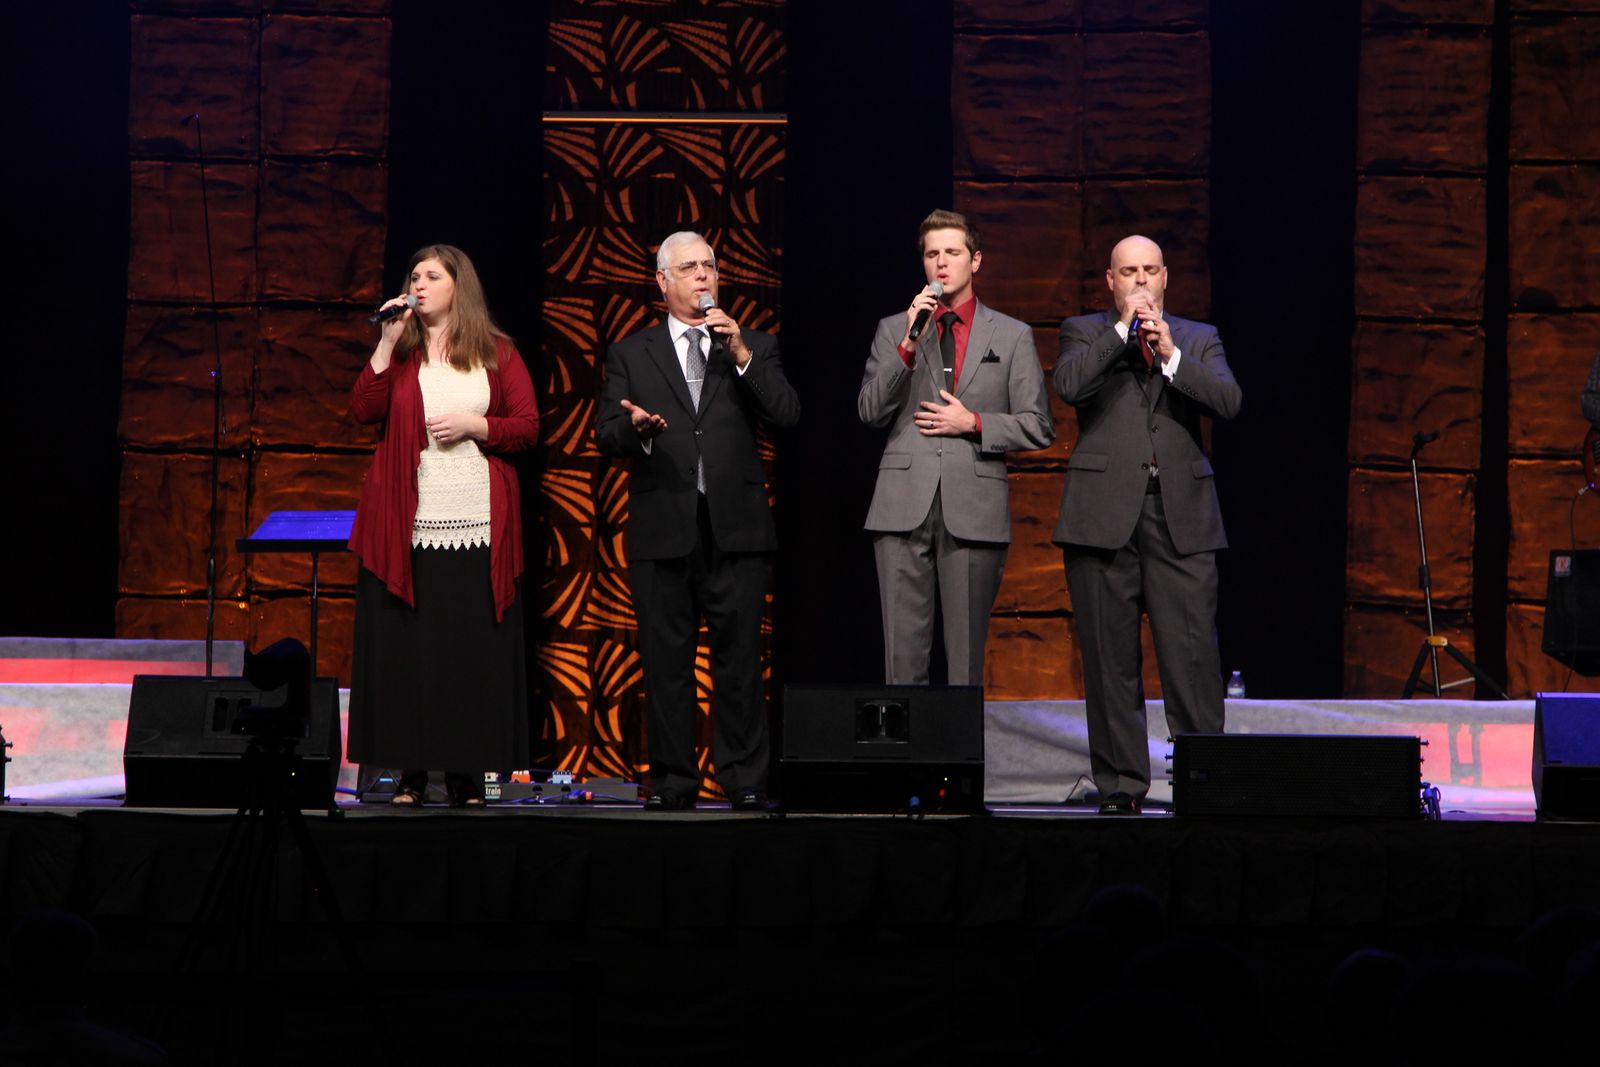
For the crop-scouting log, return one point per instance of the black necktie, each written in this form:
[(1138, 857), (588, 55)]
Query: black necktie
[(947, 349)]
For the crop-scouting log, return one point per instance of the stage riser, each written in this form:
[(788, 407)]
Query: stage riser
[(1037, 752)]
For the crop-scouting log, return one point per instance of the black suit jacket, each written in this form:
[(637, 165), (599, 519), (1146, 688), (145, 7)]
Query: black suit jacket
[(1126, 416), (643, 368)]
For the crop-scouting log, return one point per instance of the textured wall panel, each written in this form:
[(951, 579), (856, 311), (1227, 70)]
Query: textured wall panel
[(626, 56), (1573, 7), (1529, 670), (180, 66), (274, 618), (281, 231), (571, 375), (1412, 379), (198, 7), (1422, 104), (167, 234), (1131, 82), (309, 359), (344, 7), (1555, 90), (1158, 119), (167, 388), (320, 224), (1433, 12), (1381, 548), (1034, 580), (1019, 14), (1036, 231), (325, 86), (181, 620), (1019, 110), (303, 482), (1548, 358), (1545, 514), (1380, 646), (165, 520), (613, 190), (1057, 15), (1108, 14), (1420, 247), (1555, 236), (1032, 659), (1175, 214)]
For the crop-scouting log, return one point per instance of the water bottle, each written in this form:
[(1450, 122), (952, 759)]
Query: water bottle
[(1235, 685)]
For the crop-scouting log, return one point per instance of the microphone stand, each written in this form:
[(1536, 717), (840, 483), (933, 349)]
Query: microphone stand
[(216, 401), (1434, 641)]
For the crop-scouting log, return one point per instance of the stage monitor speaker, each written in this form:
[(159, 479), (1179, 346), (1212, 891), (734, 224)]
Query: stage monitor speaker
[(181, 751), (1572, 609), (1297, 775), (893, 748), (1566, 756)]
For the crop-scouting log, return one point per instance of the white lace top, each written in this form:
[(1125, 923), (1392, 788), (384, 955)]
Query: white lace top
[(452, 480)]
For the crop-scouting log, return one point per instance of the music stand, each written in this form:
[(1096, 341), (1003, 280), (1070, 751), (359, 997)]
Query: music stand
[(315, 532)]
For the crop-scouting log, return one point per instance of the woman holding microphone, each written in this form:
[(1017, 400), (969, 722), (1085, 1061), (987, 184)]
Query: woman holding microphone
[(438, 681)]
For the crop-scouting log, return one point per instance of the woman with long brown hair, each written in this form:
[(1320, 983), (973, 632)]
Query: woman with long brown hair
[(438, 681)]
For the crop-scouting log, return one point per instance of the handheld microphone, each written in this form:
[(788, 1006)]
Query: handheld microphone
[(393, 311), (921, 321), (704, 303)]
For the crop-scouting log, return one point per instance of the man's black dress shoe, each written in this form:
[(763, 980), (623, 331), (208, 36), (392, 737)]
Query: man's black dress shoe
[(749, 800), (1119, 804), (668, 802)]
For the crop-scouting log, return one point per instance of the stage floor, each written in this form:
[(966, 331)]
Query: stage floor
[(609, 934)]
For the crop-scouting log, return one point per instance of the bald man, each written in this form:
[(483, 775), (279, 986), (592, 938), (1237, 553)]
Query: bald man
[(1139, 525)]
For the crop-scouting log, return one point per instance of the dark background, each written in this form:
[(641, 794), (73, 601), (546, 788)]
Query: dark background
[(466, 102)]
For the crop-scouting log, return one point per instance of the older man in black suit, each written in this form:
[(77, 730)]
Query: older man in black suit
[(682, 400), (1139, 524)]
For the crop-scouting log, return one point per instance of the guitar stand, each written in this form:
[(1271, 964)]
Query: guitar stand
[(1434, 641)]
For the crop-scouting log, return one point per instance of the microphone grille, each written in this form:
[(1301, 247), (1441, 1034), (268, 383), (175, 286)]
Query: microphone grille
[(937, 288), (411, 301), (706, 302)]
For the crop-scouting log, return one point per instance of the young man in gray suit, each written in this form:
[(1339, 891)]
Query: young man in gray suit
[(1139, 523), (959, 385)]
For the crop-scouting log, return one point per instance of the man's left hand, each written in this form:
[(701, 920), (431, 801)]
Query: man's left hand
[(950, 419), (727, 331)]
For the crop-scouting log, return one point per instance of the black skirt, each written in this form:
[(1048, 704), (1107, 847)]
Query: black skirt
[(440, 686)]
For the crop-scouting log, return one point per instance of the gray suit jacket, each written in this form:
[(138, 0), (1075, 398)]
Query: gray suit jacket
[(1000, 380), (1126, 416)]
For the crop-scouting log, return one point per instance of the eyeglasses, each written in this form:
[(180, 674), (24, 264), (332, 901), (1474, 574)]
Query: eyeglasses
[(686, 270)]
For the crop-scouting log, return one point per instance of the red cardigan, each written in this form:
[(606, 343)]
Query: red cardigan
[(381, 536)]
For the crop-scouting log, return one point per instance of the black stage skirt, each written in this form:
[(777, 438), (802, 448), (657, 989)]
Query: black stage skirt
[(441, 686)]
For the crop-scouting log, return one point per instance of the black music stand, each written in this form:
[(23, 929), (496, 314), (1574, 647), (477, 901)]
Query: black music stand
[(315, 532)]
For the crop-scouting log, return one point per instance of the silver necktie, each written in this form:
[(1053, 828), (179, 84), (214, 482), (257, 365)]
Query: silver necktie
[(695, 373)]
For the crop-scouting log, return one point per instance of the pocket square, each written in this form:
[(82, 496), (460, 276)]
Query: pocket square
[(990, 358)]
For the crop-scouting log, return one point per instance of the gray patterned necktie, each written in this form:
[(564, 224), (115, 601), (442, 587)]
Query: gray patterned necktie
[(694, 371), (695, 366)]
